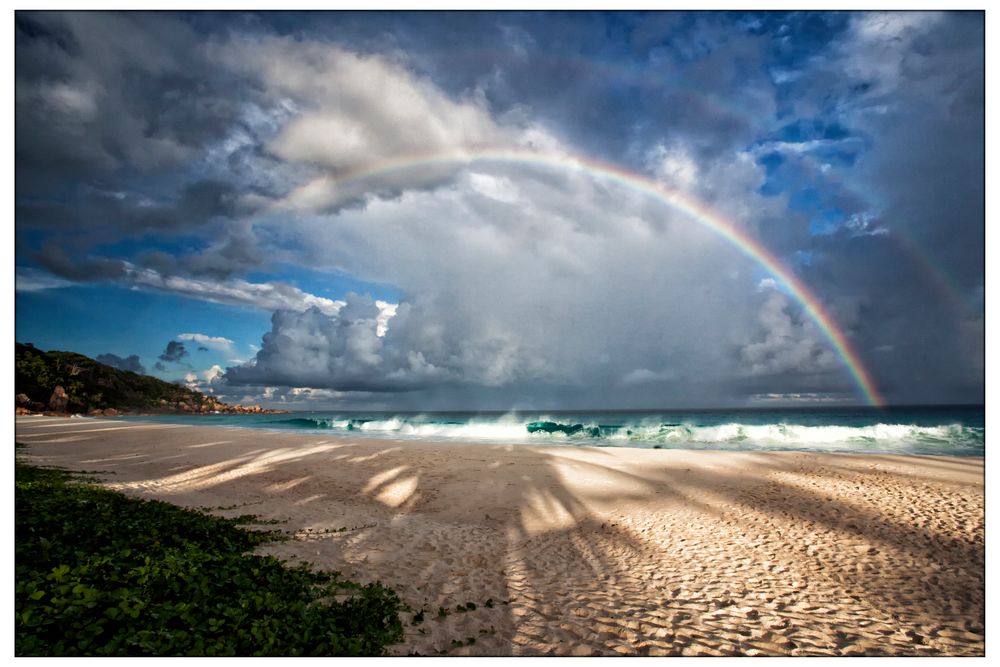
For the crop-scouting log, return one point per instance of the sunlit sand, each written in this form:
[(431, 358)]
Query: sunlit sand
[(583, 551)]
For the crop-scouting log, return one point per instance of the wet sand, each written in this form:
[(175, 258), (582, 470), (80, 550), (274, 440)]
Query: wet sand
[(590, 551)]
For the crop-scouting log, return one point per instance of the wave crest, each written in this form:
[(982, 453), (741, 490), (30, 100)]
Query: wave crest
[(904, 438)]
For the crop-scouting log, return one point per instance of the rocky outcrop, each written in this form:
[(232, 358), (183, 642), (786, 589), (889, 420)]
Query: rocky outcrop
[(208, 406), (213, 406), (247, 409), (58, 400), (27, 406), (60, 383)]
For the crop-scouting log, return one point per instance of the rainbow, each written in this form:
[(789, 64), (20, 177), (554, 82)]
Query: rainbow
[(930, 270), (687, 205)]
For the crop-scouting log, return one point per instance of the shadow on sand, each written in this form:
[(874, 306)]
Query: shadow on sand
[(585, 551)]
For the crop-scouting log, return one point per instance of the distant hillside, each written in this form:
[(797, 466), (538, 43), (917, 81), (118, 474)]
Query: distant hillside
[(90, 385)]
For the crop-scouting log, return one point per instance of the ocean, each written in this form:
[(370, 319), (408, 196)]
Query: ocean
[(919, 430)]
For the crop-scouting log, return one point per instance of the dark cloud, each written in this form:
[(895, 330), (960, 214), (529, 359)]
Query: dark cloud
[(921, 177), (29, 28), (173, 353), (98, 92), (129, 363), (200, 148), (101, 214), (112, 109), (71, 229), (59, 262), (235, 253), (702, 76)]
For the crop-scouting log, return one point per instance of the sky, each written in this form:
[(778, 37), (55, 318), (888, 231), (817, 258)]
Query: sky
[(509, 210)]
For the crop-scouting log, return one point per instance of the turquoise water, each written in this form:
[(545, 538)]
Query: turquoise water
[(950, 430)]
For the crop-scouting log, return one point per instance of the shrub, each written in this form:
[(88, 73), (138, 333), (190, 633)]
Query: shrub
[(98, 573)]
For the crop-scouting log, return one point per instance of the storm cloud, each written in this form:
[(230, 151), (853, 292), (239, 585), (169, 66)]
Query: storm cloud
[(288, 165)]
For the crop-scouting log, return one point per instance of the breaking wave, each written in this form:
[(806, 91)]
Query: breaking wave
[(954, 438)]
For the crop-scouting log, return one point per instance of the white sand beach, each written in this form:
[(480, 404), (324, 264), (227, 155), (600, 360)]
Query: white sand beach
[(590, 551)]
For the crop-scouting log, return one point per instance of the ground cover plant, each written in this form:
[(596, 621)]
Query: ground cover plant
[(98, 573)]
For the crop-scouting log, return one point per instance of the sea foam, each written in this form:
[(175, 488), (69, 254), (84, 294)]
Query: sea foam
[(903, 438)]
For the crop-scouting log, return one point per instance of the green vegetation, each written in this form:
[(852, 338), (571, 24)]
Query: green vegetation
[(100, 574), (91, 385)]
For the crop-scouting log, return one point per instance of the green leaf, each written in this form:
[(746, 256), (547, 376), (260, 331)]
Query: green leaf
[(136, 577)]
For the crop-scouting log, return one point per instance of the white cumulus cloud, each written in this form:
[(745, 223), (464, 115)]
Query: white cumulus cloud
[(352, 112), (790, 344), (213, 342), (268, 296)]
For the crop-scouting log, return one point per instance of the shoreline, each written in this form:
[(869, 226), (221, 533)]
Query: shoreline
[(127, 412), (802, 439), (590, 550)]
